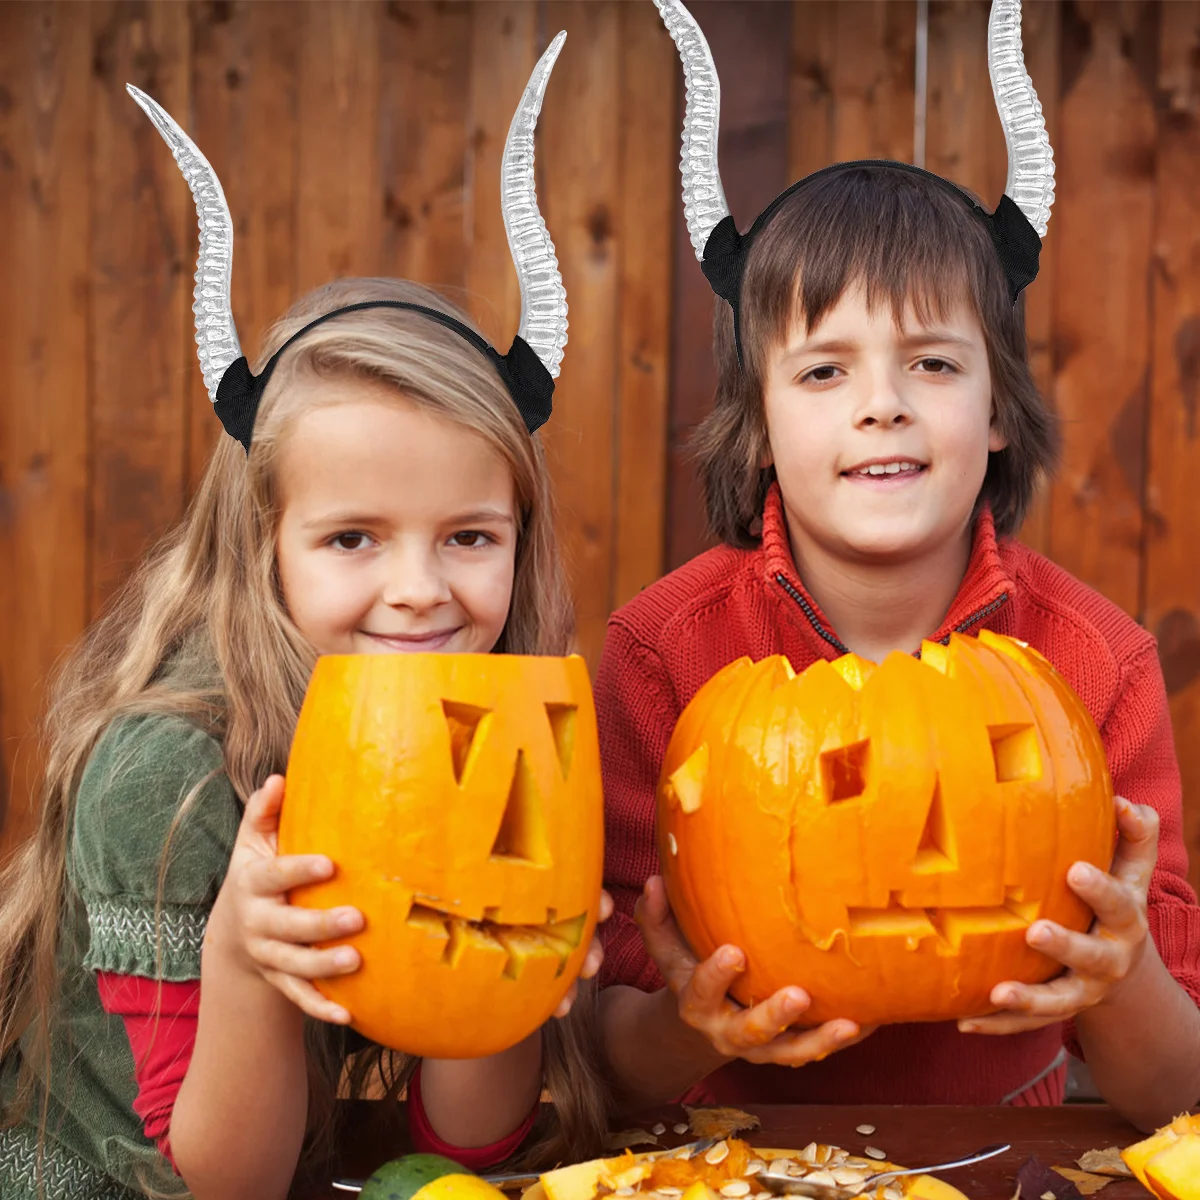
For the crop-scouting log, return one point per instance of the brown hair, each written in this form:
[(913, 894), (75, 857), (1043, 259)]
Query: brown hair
[(200, 630), (905, 238)]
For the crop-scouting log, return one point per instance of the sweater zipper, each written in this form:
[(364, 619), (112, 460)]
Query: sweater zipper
[(842, 648)]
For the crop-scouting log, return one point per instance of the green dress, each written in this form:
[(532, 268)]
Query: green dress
[(133, 787)]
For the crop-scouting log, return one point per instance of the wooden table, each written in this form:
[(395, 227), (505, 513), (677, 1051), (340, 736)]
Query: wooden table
[(911, 1135)]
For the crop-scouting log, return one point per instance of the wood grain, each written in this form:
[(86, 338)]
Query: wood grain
[(1172, 514), (1104, 215), (45, 57), (143, 245)]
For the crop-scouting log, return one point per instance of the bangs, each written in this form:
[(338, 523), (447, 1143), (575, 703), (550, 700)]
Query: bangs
[(904, 240)]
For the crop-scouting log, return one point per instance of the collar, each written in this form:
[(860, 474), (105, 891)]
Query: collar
[(986, 585)]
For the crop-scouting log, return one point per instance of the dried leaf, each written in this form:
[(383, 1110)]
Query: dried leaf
[(629, 1137), (720, 1122), (1085, 1182), (1105, 1162), (1035, 1180)]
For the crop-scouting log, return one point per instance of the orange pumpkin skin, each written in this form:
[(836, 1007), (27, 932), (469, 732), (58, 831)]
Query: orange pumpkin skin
[(884, 836), (459, 798)]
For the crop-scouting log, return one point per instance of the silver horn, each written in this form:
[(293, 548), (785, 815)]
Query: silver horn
[(1030, 160), (543, 297), (704, 203), (216, 335)]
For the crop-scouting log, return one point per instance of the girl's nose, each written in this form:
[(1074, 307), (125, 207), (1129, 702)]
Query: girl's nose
[(883, 403), (415, 581)]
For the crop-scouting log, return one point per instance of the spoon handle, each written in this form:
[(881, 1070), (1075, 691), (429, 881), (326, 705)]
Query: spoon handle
[(978, 1156)]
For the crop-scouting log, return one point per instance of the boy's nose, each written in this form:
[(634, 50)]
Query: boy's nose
[(883, 403)]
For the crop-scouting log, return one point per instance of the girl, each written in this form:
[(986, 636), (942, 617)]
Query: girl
[(154, 982), (875, 442)]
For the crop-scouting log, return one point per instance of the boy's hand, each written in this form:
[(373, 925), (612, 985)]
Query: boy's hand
[(1100, 961), (266, 934), (761, 1034), (591, 964)]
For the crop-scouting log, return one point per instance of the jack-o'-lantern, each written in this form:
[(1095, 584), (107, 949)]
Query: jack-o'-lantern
[(884, 836), (459, 797)]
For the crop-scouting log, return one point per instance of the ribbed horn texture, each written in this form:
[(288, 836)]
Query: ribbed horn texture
[(1030, 160), (704, 203), (216, 335), (543, 297)]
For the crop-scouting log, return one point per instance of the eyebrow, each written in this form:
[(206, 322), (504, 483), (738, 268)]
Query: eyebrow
[(923, 337), (479, 516)]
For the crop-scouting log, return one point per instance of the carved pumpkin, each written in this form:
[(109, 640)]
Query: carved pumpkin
[(459, 798), (884, 836)]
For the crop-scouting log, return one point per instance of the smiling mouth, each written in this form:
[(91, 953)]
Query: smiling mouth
[(889, 470), (412, 641)]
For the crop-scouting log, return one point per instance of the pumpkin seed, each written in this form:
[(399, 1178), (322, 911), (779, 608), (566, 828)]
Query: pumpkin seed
[(672, 843), (718, 1154), (681, 1127), (865, 1130), (809, 1153), (821, 1177), (670, 1192), (848, 1175), (736, 1187), (623, 1191), (658, 1129), (779, 1167), (753, 1167), (874, 1152), (892, 1192)]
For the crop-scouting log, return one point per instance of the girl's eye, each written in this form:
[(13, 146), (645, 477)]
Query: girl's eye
[(349, 541), (470, 538)]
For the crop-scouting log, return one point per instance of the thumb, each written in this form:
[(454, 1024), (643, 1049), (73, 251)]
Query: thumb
[(262, 809)]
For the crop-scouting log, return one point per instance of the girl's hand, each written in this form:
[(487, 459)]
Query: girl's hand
[(268, 935), (1100, 962), (761, 1034), (593, 961)]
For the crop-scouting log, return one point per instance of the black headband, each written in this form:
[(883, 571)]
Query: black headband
[(726, 251), (522, 372)]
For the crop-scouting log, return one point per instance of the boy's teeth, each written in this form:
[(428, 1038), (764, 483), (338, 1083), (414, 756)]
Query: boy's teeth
[(893, 468)]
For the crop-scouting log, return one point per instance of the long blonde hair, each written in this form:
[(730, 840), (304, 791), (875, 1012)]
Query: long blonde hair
[(201, 630)]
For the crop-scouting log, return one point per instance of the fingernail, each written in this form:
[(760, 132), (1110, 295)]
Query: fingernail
[(322, 867), (347, 956), (1081, 873), (340, 1016), (731, 960), (1039, 935), (348, 919), (796, 999), (969, 1026)]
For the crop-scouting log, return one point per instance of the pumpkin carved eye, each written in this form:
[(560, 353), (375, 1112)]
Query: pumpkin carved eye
[(459, 797), (883, 836)]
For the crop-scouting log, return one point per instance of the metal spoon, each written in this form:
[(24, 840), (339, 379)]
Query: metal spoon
[(784, 1185)]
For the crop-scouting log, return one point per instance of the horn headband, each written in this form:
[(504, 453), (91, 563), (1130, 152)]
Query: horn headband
[(1016, 226), (529, 368)]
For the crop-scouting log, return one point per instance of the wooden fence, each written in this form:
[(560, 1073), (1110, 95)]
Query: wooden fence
[(365, 137)]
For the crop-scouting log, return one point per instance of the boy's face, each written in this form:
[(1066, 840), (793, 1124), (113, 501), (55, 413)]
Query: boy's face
[(879, 436), (397, 530)]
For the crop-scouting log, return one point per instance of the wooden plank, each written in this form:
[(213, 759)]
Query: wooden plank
[(245, 88), (424, 81), (142, 252), (648, 199), (1041, 37), (580, 144), (1104, 215), (503, 52), (750, 46), (45, 55), (1172, 583), (339, 197)]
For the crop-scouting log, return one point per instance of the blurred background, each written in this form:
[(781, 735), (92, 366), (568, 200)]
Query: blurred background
[(364, 137)]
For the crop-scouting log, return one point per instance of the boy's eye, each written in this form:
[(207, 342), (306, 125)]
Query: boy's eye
[(936, 366), (819, 375), (351, 540), (470, 538)]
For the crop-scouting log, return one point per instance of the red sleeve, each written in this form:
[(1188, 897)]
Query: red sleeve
[(1141, 756), (160, 1021), (636, 709), (473, 1158)]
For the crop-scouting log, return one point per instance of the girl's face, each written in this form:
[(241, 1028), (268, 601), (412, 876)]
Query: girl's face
[(398, 529), (880, 436)]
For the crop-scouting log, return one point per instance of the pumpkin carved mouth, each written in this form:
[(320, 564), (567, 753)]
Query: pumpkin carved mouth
[(518, 944)]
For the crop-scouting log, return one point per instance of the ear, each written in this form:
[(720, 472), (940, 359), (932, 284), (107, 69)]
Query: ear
[(996, 439)]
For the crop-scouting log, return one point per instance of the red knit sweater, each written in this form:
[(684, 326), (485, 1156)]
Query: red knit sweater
[(726, 603)]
